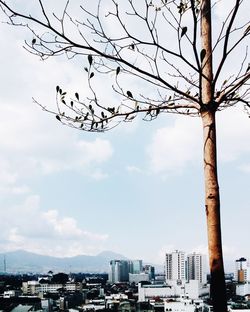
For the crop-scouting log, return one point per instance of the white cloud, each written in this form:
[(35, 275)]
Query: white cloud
[(98, 174), (245, 168), (14, 190), (14, 237), (9, 178), (40, 149), (33, 142), (133, 169), (202, 249), (97, 151), (6, 175), (160, 255), (26, 226), (233, 134), (223, 8), (67, 228), (229, 252), (174, 147)]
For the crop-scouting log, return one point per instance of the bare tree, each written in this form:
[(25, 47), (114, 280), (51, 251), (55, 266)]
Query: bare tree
[(167, 45)]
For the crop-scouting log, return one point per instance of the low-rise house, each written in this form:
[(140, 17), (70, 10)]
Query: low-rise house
[(45, 286)]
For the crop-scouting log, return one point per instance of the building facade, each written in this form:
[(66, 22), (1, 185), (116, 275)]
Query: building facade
[(196, 267), (175, 266), (35, 287), (242, 271), (137, 278), (135, 266), (150, 270), (119, 270)]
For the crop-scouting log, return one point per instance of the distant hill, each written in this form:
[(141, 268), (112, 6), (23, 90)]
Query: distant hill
[(23, 261)]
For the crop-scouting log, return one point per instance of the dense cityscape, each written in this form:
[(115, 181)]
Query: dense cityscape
[(129, 286)]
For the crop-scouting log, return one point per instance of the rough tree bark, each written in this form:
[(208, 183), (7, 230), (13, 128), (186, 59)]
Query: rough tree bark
[(212, 204), (212, 195)]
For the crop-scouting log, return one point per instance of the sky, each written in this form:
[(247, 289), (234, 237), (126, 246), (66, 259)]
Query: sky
[(136, 190)]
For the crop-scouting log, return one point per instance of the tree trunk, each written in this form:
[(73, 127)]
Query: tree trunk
[(212, 204), (212, 196)]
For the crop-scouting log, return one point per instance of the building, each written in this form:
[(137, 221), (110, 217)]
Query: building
[(192, 290), (35, 287), (184, 303), (31, 287), (12, 293), (238, 309), (150, 270), (137, 278), (149, 292), (195, 290), (243, 289), (135, 266), (112, 302), (242, 271), (119, 270), (196, 267), (114, 271), (175, 266)]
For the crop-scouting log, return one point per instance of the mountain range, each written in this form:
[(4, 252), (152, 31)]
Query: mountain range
[(21, 261)]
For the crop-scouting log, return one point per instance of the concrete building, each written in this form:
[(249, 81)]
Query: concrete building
[(243, 289), (137, 278), (148, 292), (196, 267), (113, 301), (150, 270), (12, 293), (175, 266), (119, 270), (135, 266), (242, 271), (30, 287), (193, 290), (35, 287), (184, 303), (234, 309)]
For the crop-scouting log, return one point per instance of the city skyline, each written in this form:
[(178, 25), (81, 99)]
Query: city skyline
[(24, 261), (136, 190)]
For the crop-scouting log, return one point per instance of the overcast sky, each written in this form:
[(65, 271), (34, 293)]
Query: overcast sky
[(137, 190)]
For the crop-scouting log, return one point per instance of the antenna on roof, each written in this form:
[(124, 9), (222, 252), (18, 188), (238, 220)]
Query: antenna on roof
[(4, 264)]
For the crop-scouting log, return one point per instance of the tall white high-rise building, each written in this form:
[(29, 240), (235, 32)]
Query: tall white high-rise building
[(196, 267), (175, 266)]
